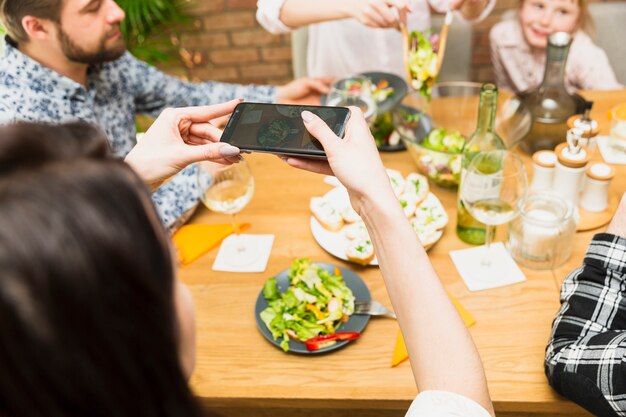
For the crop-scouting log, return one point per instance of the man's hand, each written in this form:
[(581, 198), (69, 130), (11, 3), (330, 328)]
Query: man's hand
[(304, 90), (179, 137), (381, 13), (618, 224)]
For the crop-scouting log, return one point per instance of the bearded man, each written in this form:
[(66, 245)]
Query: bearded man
[(66, 60)]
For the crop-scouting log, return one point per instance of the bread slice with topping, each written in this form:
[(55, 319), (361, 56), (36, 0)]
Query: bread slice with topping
[(417, 185), (397, 181), (326, 214), (360, 251), (431, 211)]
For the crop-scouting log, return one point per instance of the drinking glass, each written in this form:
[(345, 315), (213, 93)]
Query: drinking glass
[(354, 91), (228, 189), (493, 190)]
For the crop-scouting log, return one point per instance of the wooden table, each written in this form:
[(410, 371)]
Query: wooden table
[(237, 368)]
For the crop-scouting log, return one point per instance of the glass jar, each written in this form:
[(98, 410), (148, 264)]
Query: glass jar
[(541, 237)]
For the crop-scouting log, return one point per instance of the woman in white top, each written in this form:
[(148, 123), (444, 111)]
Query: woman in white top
[(446, 366), (347, 37)]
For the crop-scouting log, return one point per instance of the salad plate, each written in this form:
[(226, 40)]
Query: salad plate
[(399, 146), (398, 87), (355, 323), (388, 90), (337, 243)]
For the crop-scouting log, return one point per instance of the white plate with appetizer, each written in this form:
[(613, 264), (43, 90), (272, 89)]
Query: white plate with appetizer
[(339, 230)]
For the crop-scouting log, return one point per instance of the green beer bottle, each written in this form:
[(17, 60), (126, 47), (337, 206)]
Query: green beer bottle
[(484, 138)]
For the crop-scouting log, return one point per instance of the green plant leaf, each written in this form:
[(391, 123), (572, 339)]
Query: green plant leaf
[(143, 17)]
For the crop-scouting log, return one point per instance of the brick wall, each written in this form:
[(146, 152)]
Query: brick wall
[(223, 41)]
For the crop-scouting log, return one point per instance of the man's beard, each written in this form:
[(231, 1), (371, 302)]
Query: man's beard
[(102, 54)]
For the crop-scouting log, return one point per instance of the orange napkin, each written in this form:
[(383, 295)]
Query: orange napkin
[(400, 353), (194, 240)]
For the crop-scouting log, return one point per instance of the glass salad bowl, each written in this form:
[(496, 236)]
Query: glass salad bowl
[(452, 112), (437, 152)]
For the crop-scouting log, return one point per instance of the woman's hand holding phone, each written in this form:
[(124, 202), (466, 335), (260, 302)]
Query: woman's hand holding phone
[(179, 137), (354, 160)]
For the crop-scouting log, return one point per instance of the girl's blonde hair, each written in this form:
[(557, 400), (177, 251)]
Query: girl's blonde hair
[(585, 20)]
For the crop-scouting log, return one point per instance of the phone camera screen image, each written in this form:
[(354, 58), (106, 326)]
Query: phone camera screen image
[(275, 127)]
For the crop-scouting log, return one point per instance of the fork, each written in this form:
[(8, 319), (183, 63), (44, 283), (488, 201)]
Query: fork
[(373, 308)]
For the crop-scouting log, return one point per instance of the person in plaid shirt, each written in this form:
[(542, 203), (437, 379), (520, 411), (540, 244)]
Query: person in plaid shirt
[(585, 355)]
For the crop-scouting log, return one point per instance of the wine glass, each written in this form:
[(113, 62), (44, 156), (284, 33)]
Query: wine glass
[(228, 189), (354, 91), (493, 189)]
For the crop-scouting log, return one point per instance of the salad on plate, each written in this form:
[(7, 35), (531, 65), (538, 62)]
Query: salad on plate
[(312, 308)]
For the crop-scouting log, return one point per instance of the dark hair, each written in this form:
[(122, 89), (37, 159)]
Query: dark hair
[(13, 11), (87, 318)]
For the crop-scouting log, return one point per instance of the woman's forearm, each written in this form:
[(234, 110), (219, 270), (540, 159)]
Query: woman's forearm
[(297, 13), (441, 350)]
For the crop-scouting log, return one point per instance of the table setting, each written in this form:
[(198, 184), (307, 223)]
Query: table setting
[(511, 281)]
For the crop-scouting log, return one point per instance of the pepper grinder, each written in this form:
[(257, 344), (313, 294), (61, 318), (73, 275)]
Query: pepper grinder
[(572, 159), (589, 126)]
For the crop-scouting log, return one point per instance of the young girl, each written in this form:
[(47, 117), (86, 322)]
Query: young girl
[(518, 47)]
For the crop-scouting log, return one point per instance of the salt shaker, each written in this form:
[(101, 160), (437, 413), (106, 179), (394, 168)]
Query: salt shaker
[(543, 170), (595, 196), (572, 159), (588, 125)]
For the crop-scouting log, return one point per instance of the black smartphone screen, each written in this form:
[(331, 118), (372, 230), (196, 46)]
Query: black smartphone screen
[(278, 128)]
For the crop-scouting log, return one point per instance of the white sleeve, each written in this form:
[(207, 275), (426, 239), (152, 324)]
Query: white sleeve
[(442, 5), (444, 404), (488, 8), (268, 16)]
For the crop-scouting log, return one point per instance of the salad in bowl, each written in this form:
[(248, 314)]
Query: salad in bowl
[(437, 152)]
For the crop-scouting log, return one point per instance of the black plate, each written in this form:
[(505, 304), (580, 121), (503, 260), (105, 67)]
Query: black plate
[(392, 148), (400, 89), (356, 323), (415, 132)]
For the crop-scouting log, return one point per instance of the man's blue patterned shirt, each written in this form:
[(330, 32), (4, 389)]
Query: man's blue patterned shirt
[(115, 93)]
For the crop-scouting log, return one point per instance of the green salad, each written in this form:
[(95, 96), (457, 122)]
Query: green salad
[(382, 128), (443, 140), (422, 63), (380, 91), (315, 303)]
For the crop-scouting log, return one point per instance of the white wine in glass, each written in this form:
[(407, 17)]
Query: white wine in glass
[(228, 189), (493, 190)]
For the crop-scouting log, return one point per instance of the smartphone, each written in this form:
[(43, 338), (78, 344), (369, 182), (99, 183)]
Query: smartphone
[(279, 129)]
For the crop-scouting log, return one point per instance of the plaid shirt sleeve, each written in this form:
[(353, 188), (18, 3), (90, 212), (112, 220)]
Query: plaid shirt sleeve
[(586, 353)]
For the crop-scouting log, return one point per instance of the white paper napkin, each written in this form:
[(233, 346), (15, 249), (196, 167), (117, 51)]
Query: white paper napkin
[(502, 271), (609, 154), (261, 244)]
